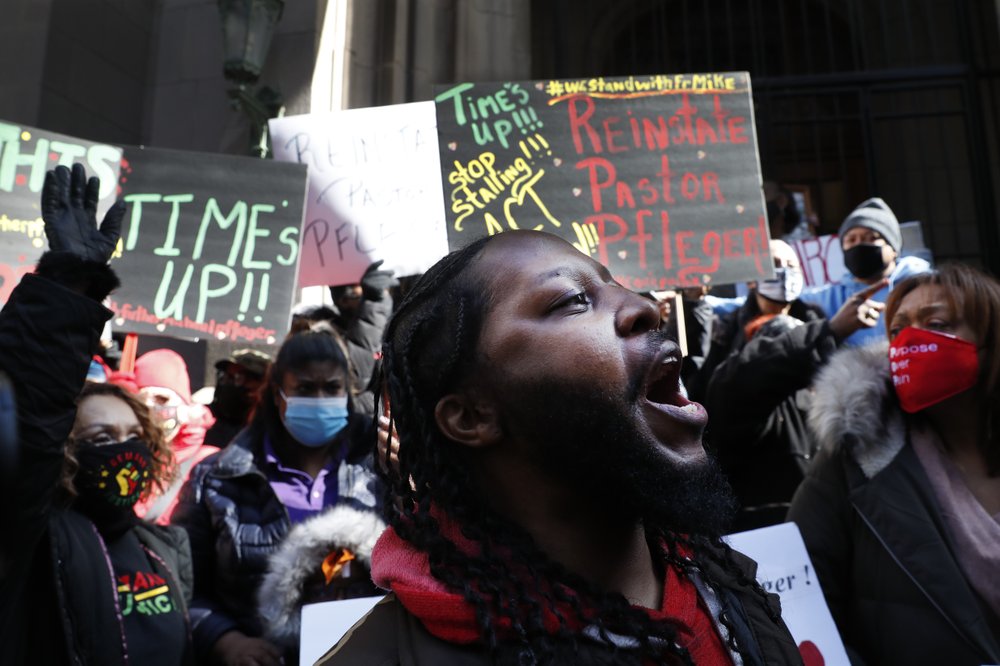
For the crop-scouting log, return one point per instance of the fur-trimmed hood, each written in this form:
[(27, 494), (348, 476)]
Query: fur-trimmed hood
[(854, 406), (301, 555)]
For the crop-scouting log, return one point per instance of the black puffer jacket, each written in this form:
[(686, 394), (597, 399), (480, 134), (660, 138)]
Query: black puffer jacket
[(58, 599), (235, 523), (758, 399)]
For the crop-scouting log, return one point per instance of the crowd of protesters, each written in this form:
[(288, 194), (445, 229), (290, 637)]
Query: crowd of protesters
[(516, 454)]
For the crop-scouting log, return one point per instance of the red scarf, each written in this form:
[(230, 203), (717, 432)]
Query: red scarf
[(399, 566)]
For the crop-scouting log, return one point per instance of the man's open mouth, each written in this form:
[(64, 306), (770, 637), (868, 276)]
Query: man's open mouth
[(663, 379), (663, 387)]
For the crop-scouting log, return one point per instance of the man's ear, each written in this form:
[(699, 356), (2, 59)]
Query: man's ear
[(465, 420)]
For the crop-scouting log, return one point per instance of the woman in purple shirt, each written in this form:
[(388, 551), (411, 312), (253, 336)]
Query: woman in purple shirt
[(295, 459)]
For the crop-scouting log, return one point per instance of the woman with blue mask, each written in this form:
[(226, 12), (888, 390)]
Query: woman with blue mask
[(292, 464)]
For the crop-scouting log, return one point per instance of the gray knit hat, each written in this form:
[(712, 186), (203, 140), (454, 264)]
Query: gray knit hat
[(876, 215)]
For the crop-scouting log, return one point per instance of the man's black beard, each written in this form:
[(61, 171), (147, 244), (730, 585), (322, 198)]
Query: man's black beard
[(589, 440)]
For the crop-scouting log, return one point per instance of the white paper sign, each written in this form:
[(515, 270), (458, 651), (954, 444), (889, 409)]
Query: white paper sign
[(374, 190), (784, 568), (325, 623), (821, 258)]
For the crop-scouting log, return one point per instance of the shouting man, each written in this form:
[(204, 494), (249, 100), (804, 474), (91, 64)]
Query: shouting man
[(550, 501)]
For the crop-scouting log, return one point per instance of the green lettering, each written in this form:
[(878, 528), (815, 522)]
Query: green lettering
[(205, 292), (289, 236), (133, 226), (176, 307), (238, 214), (168, 249), (12, 159), (102, 160), (252, 236), (68, 152)]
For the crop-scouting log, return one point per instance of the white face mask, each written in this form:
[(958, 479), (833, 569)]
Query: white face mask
[(785, 287)]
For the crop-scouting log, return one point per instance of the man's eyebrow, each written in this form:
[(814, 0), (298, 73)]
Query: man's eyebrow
[(574, 273)]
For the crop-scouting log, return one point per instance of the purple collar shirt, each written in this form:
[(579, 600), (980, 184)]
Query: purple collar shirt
[(302, 495)]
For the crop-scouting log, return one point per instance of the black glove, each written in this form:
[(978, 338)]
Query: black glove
[(374, 282), (69, 209)]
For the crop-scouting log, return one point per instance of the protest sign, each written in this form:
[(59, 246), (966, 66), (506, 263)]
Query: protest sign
[(26, 153), (374, 190), (324, 624), (657, 177), (210, 245), (785, 569), (821, 258)]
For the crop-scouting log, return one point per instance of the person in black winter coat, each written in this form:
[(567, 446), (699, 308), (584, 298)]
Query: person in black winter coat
[(82, 579), (758, 393), (292, 462)]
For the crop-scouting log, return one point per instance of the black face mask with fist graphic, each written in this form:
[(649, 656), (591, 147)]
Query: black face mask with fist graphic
[(111, 479)]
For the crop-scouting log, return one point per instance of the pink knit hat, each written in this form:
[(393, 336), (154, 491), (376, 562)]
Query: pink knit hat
[(166, 368)]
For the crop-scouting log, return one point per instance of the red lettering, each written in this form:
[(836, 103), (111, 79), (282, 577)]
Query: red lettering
[(668, 257), (682, 121), (648, 196), (711, 245), (657, 136), (710, 182), (665, 175), (581, 120), (683, 239), (704, 131), (728, 239), (737, 131), (690, 186), (640, 237), (625, 197), (720, 117), (604, 239), (610, 134), (592, 164)]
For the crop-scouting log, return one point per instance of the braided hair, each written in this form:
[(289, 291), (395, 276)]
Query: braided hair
[(529, 608)]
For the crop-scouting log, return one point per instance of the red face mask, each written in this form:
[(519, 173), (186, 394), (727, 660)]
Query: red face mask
[(928, 367)]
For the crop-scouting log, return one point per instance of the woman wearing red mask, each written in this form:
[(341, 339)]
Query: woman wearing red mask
[(901, 509)]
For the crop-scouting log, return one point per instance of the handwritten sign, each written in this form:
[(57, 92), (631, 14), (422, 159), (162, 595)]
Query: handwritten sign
[(26, 153), (210, 245), (821, 258), (657, 177), (785, 569), (374, 190)]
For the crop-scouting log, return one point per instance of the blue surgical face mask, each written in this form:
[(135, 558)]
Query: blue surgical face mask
[(313, 422)]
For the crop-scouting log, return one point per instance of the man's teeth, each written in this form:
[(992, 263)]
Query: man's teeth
[(690, 407)]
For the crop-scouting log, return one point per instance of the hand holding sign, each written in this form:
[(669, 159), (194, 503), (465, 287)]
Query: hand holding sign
[(69, 208)]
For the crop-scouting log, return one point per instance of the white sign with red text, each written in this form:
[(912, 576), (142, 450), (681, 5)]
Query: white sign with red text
[(783, 567)]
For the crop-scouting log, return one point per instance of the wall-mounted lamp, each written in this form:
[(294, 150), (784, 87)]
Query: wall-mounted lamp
[(247, 28)]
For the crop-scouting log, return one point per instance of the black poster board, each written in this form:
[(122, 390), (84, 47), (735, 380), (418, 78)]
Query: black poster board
[(26, 154), (656, 177), (210, 245)]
